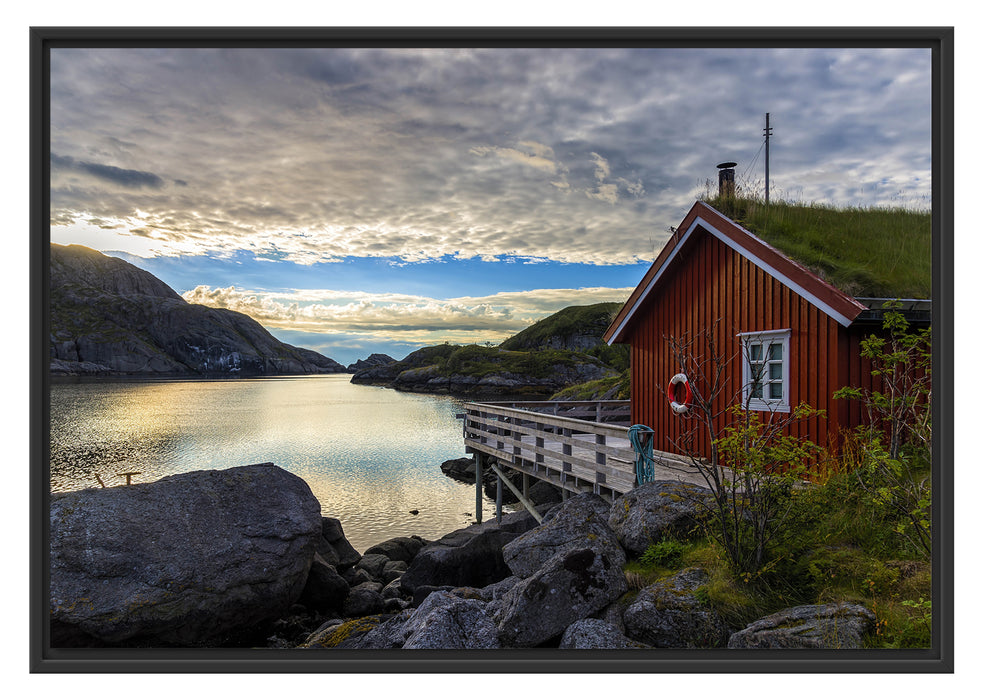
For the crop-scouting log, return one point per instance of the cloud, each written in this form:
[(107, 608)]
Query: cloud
[(109, 173), (581, 155), (541, 158), (402, 317)]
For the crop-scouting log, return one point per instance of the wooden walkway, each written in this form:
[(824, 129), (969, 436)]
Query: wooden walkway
[(552, 441)]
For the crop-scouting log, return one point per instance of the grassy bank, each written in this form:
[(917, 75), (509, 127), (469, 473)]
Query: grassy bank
[(864, 252), (837, 545)]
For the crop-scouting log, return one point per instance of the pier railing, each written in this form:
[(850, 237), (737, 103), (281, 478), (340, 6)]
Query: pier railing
[(608, 411), (551, 441)]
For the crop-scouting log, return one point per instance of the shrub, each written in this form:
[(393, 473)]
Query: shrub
[(667, 553)]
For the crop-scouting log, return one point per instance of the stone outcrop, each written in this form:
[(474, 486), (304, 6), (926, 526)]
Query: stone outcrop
[(325, 590), (463, 469), (335, 547), (399, 548), (445, 621), (471, 556), (191, 559), (596, 634), (669, 614), (344, 634), (110, 317), (442, 621), (578, 523), (833, 626), (655, 510), (572, 585), (364, 599)]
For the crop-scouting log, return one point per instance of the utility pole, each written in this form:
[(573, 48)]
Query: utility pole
[(767, 155)]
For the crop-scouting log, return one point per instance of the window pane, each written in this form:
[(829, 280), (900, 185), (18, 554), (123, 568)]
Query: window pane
[(775, 390), (775, 351), (755, 352), (756, 391), (775, 370)]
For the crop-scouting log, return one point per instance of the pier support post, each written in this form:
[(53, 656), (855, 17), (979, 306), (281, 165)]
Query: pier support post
[(478, 459), (498, 498)]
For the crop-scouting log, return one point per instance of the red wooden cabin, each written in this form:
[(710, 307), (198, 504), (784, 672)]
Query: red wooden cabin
[(786, 336)]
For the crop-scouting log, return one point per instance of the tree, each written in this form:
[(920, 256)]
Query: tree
[(896, 438), (753, 462)]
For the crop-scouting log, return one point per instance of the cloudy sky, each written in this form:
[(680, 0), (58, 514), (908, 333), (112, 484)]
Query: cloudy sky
[(358, 201)]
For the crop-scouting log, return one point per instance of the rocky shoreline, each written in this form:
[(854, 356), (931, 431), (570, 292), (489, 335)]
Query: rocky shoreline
[(243, 557), (484, 373)]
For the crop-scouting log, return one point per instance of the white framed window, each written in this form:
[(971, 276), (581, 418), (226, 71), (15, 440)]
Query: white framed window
[(765, 363)]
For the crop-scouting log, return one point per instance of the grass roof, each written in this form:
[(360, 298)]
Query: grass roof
[(865, 252)]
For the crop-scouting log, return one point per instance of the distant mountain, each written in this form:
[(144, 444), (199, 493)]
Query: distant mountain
[(374, 360), (110, 317)]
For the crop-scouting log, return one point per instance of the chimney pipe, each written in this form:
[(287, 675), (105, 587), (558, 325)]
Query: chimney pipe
[(726, 179)]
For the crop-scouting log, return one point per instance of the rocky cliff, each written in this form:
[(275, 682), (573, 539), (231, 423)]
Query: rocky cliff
[(110, 317)]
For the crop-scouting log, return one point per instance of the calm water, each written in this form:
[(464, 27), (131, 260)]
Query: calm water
[(369, 454)]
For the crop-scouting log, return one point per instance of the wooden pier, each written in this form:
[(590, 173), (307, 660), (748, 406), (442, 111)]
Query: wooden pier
[(577, 446)]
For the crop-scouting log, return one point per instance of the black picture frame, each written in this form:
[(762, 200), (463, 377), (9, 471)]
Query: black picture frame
[(937, 659)]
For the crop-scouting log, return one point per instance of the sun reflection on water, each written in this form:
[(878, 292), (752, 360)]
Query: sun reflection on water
[(369, 454)]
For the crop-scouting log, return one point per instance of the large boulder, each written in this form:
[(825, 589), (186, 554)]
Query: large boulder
[(463, 469), (596, 634), (334, 547), (191, 559), (445, 621), (388, 635), (399, 548), (657, 509), (442, 621), (574, 584), (343, 634), (363, 600), (577, 524), (832, 626), (392, 571), (669, 614), (373, 564), (471, 556), (325, 589), (542, 492)]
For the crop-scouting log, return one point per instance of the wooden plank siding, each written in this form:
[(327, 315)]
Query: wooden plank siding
[(710, 286)]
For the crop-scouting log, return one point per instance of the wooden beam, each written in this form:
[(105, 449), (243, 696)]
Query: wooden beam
[(522, 499)]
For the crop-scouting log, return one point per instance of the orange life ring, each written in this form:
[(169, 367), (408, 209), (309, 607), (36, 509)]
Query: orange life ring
[(671, 392)]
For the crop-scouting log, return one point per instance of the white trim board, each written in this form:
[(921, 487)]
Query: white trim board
[(699, 221)]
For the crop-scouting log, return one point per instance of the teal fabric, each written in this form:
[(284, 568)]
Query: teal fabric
[(640, 437)]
